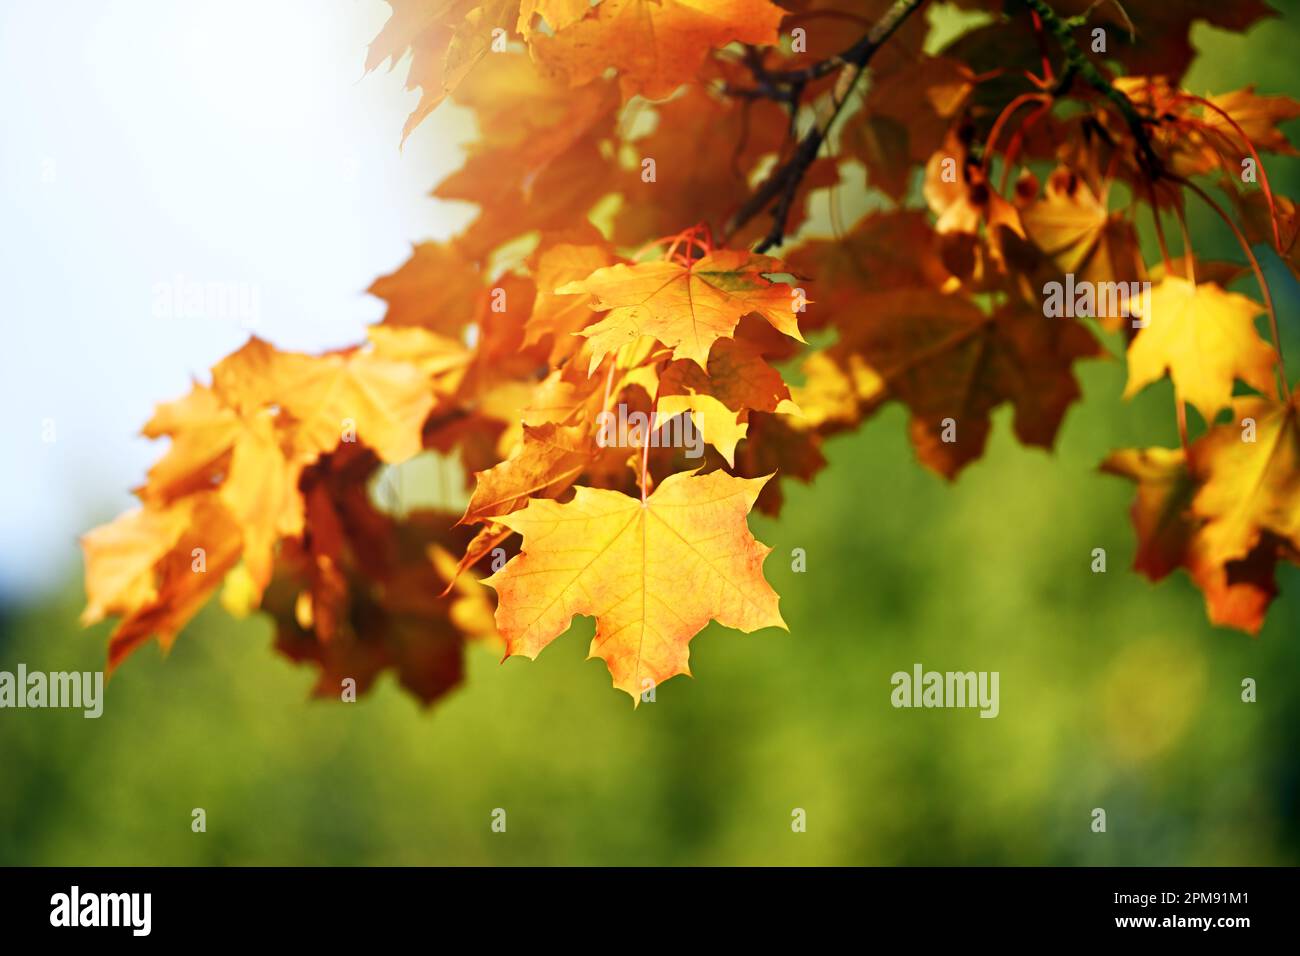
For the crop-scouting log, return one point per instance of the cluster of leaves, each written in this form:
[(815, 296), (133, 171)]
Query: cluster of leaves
[(636, 162)]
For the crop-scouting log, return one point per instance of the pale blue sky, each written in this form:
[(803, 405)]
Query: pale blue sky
[(219, 141)]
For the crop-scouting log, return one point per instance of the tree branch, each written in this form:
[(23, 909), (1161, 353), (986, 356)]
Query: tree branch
[(786, 86), (1079, 65)]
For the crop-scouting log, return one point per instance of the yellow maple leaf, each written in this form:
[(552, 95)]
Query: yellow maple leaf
[(444, 360), (652, 573), (1251, 473), (1205, 337), (1073, 226), (332, 397), (835, 394), (719, 400), (261, 493), (120, 557), (212, 443), (686, 307), (717, 424), (1068, 222)]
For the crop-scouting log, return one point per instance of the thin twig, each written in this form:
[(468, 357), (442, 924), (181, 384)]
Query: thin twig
[(778, 191), (1080, 65)]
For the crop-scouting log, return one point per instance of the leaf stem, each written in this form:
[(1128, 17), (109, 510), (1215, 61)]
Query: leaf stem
[(1002, 120), (1189, 264), (1259, 163), (645, 448), (1160, 233)]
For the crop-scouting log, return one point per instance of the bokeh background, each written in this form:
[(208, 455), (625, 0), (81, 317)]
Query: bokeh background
[(239, 142)]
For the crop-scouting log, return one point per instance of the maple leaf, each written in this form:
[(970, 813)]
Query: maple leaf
[(386, 402), (1170, 535), (952, 363), (121, 555), (550, 459), (534, 132), (435, 288), (245, 454), (442, 359), (225, 490), (1072, 225), (563, 191), (967, 208), (1197, 134), (685, 306), (1162, 512), (651, 572), (1250, 487), (901, 125), (1238, 593), (540, 162), (706, 149), (362, 593), (559, 316), (1255, 116), (717, 424), (719, 400), (834, 395), (895, 249), (145, 569), (446, 39), (228, 486), (203, 430), (655, 45), (1204, 337)]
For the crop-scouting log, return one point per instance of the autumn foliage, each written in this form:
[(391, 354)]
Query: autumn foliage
[(649, 177)]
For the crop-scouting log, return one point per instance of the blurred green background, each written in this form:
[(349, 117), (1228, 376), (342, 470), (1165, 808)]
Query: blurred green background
[(1114, 693)]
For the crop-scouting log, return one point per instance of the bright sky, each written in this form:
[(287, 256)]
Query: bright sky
[(152, 149)]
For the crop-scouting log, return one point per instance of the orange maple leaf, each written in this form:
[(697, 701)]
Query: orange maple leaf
[(1238, 590), (655, 45), (549, 460), (446, 39), (686, 306), (651, 572), (952, 363)]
